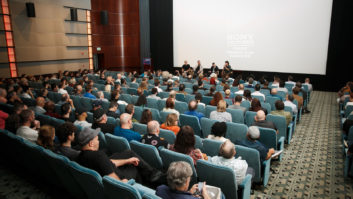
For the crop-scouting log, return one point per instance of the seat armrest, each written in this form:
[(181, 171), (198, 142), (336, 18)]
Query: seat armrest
[(245, 186), (131, 182)]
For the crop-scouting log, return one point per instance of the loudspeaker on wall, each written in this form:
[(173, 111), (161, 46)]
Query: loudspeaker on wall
[(73, 14), (31, 12), (104, 17)]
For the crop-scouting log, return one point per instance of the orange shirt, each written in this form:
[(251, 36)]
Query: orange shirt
[(175, 129)]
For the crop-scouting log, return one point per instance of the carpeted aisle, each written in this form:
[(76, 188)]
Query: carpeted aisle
[(312, 166)]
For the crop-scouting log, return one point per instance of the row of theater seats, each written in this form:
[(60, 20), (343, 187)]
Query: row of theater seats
[(345, 113)]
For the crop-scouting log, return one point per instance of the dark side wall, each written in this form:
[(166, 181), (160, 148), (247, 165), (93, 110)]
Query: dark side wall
[(340, 52)]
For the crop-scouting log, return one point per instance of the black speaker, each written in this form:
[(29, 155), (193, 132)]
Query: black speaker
[(73, 14), (31, 12), (104, 17)]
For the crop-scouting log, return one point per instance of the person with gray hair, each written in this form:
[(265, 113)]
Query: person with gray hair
[(100, 96), (152, 136), (124, 130), (252, 136), (178, 177)]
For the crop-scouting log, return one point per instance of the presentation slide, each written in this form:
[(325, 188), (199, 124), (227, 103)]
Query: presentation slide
[(289, 36)]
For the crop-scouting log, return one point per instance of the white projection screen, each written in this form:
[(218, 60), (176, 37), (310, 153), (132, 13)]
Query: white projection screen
[(289, 36)]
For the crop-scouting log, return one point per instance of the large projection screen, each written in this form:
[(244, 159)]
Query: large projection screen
[(289, 36)]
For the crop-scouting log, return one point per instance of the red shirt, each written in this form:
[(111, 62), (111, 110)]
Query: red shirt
[(3, 117)]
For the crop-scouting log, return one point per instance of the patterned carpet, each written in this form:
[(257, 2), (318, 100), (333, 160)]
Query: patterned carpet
[(312, 165)]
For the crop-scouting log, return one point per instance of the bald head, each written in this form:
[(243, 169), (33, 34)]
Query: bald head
[(192, 105), (273, 91), (227, 150), (124, 118), (153, 127), (241, 86), (260, 115)]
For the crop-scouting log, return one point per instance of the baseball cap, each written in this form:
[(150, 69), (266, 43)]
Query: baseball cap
[(98, 114), (86, 135), (254, 132)]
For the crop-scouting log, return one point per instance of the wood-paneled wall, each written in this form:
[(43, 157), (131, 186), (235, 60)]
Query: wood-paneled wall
[(119, 40)]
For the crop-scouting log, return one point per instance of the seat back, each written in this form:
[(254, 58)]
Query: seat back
[(209, 109), (180, 97), (89, 180), (111, 120), (163, 116), (237, 115), (148, 152), (152, 103), (155, 114), (250, 117), (167, 135), (211, 147), (116, 143), (219, 176), (272, 100), (266, 106), (192, 121), (198, 142), (201, 109), (281, 124), (189, 97), (206, 99), (86, 103), (236, 131), (246, 104), (259, 97), (134, 99), (138, 113), (116, 189), (348, 110), (268, 137), (182, 107), (206, 126), (169, 156), (102, 141), (140, 128), (252, 157)]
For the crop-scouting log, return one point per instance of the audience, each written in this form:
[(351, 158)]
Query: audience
[(65, 112), (198, 98), (171, 123), (13, 121), (124, 130), (237, 103), (192, 110), (113, 110), (260, 121), (81, 120), (280, 111), (141, 101), (100, 121), (256, 106), (289, 103), (218, 131), (130, 109), (39, 108), (216, 98), (26, 131), (89, 92), (146, 116), (220, 114), (169, 107), (154, 93), (152, 136), (46, 136)]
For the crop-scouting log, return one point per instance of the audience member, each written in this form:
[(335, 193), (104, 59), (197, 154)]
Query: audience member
[(152, 136), (192, 110), (241, 90), (260, 121), (182, 89), (237, 103), (113, 110), (256, 106), (89, 92), (169, 107), (274, 93), (218, 131), (280, 111), (27, 119), (65, 112), (211, 92), (124, 130), (130, 109), (247, 95), (198, 98), (146, 116), (50, 109), (141, 101), (46, 136), (39, 108), (81, 120), (171, 123), (289, 103), (3, 118), (220, 114), (66, 135), (100, 121), (216, 98), (154, 93)]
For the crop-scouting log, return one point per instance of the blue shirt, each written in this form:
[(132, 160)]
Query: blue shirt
[(195, 113), (127, 133), (165, 192), (263, 150), (89, 95)]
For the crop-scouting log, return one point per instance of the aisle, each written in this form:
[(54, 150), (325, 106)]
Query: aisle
[(312, 166)]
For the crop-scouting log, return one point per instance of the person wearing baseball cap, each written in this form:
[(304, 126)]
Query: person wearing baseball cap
[(121, 165), (100, 121), (252, 136)]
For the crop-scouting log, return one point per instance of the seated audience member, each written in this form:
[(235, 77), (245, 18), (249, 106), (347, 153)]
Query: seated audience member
[(260, 121), (250, 82), (192, 110), (65, 112), (290, 80), (220, 114), (182, 89), (65, 98), (27, 92), (296, 96), (66, 135), (247, 95), (50, 109), (13, 121), (120, 166), (3, 117), (96, 104), (307, 82), (125, 129), (89, 92), (257, 92), (252, 136), (178, 177), (185, 144), (227, 94), (39, 108), (289, 103), (350, 101), (62, 90), (169, 87), (113, 110), (13, 98), (46, 136), (274, 93), (276, 81), (256, 106), (216, 98), (171, 123), (130, 109), (198, 98), (157, 84), (226, 157), (141, 101), (154, 93), (347, 125), (212, 90), (146, 116), (218, 131), (82, 120), (100, 121), (305, 96), (280, 111), (266, 86), (237, 101), (195, 88), (100, 96), (78, 90), (281, 87), (27, 119), (152, 136), (3, 94), (169, 107), (213, 79), (241, 90)]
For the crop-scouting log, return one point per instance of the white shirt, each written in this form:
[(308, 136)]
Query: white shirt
[(240, 92), (153, 96), (310, 86), (275, 84), (169, 110), (159, 89), (213, 137), (282, 89), (221, 116), (258, 93), (238, 165), (26, 95), (290, 82), (292, 105), (39, 110), (83, 124), (62, 91), (27, 133), (348, 104)]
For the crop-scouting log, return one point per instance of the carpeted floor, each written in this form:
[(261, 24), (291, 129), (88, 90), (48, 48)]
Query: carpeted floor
[(312, 165)]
